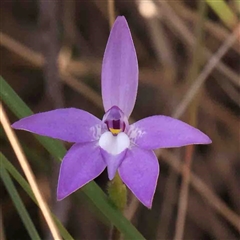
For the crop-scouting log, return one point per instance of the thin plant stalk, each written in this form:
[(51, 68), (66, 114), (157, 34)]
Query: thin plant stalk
[(192, 114), (111, 14), (203, 189), (117, 192), (27, 221), (28, 172), (207, 70), (24, 184), (224, 12)]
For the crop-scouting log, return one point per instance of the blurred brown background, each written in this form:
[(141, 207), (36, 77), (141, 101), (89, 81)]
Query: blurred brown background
[(51, 53)]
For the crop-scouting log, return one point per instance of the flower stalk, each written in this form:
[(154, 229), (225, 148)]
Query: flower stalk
[(117, 192)]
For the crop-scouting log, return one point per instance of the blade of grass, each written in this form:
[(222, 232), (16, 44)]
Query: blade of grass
[(24, 184), (55, 148), (20, 109), (33, 155), (27, 221), (28, 172), (224, 12)]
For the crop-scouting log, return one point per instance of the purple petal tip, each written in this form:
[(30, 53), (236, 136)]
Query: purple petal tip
[(166, 132), (62, 195), (208, 140), (110, 177), (120, 68), (16, 125), (122, 19), (149, 206), (140, 171), (202, 138), (59, 197)]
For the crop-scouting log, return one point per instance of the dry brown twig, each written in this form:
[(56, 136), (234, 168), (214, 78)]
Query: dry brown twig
[(38, 60), (204, 190), (215, 29), (185, 34), (184, 194), (159, 38), (204, 217), (230, 91), (28, 172), (48, 23), (111, 14), (21, 50), (2, 233), (212, 63)]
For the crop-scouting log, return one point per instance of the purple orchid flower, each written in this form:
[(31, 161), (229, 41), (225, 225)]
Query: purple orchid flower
[(112, 142)]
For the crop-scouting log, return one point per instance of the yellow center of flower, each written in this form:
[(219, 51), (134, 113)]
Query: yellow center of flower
[(115, 131)]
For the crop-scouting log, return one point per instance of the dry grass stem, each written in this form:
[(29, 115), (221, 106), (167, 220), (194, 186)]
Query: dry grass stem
[(111, 14), (185, 34), (38, 60), (21, 50), (230, 91), (162, 46), (183, 196), (132, 208), (204, 190), (28, 172), (168, 203), (2, 234), (218, 31), (82, 88), (220, 113), (212, 63), (192, 120)]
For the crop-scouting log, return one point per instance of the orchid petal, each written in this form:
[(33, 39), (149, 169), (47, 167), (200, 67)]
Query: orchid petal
[(120, 69), (82, 163), (69, 124), (112, 161), (165, 132), (139, 171)]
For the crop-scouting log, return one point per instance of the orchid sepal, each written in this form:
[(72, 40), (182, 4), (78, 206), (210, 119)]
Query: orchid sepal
[(165, 132), (120, 69)]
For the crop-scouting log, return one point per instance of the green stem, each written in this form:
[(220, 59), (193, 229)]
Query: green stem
[(118, 195)]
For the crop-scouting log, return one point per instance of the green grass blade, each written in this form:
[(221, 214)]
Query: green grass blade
[(55, 148), (19, 204), (24, 184), (20, 109), (224, 12), (33, 155)]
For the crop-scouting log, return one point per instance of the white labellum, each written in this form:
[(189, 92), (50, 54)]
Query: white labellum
[(114, 144)]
